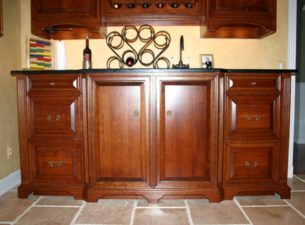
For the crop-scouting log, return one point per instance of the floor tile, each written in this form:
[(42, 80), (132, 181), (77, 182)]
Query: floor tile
[(11, 206), (296, 184), (107, 212), (209, 213), (301, 176), (260, 200), (274, 215), (157, 216), (59, 201), (163, 203), (298, 201), (48, 216)]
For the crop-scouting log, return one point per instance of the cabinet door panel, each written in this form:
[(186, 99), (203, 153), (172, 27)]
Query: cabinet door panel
[(56, 163), (186, 131), (53, 116), (187, 115), (252, 117), (255, 162), (120, 120)]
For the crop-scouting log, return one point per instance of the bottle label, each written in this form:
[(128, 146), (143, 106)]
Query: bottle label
[(87, 57)]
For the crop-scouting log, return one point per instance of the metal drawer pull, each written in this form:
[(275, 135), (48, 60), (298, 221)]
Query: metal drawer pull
[(136, 114), (52, 84), (255, 117), (253, 83), (169, 113), (51, 120), (251, 165), (53, 164)]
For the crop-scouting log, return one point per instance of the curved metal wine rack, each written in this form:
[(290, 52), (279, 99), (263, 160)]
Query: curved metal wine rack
[(121, 44)]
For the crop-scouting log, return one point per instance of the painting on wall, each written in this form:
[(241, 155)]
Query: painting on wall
[(1, 19)]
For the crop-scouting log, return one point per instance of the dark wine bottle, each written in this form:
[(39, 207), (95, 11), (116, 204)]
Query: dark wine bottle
[(87, 55), (130, 61)]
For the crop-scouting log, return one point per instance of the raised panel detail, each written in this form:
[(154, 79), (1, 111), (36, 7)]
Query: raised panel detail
[(252, 117), (56, 163), (55, 116), (252, 162), (119, 131), (186, 129)]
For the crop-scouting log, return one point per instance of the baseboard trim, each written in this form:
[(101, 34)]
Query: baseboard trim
[(9, 182)]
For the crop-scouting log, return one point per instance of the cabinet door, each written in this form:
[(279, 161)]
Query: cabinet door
[(247, 163), (240, 18), (56, 163), (65, 18), (187, 126), (119, 132)]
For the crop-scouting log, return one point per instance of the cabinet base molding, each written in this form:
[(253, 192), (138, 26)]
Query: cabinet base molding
[(154, 195), (245, 190), (76, 191)]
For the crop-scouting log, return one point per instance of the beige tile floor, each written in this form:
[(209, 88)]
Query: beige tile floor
[(258, 210)]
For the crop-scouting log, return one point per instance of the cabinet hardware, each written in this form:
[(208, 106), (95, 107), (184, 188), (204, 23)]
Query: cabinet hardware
[(169, 113), (253, 83), (251, 165), (254, 118), (51, 120), (136, 114), (52, 84), (51, 164)]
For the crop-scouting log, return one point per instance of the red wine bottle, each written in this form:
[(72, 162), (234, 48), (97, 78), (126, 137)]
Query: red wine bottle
[(87, 56), (130, 61)]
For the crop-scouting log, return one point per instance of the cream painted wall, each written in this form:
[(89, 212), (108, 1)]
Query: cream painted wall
[(10, 59), (265, 53)]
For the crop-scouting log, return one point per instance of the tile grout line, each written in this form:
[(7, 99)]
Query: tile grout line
[(263, 206), (57, 206), (188, 212), (243, 212), (78, 213), (161, 207), (296, 191), (295, 209), (300, 179), (26, 211), (133, 212)]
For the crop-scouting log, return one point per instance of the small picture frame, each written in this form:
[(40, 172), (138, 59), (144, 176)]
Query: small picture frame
[(206, 61)]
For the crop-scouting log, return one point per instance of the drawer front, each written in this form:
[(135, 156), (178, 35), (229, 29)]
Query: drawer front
[(250, 162), (43, 83), (56, 163), (254, 117), (55, 116), (238, 82)]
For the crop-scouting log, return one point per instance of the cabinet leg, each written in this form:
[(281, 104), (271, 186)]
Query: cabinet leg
[(24, 191)]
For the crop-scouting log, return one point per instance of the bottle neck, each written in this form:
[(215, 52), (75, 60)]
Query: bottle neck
[(87, 40)]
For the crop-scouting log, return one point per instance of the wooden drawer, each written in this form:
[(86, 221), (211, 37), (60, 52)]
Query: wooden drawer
[(43, 83), (252, 81), (255, 162), (254, 117), (51, 115), (59, 163)]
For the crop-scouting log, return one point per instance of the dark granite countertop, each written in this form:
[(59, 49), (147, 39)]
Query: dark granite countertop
[(192, 70)]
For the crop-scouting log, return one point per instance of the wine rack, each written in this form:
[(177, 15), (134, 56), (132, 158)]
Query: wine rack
[(164, 12)]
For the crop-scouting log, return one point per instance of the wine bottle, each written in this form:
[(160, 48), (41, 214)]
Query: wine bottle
[(87, 56), (130, 61)]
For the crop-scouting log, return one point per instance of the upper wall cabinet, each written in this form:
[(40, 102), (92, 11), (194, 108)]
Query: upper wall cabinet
[(165, 12), (66, 19), (239, 18)]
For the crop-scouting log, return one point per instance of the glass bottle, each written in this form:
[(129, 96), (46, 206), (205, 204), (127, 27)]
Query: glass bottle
[(87, 55)]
